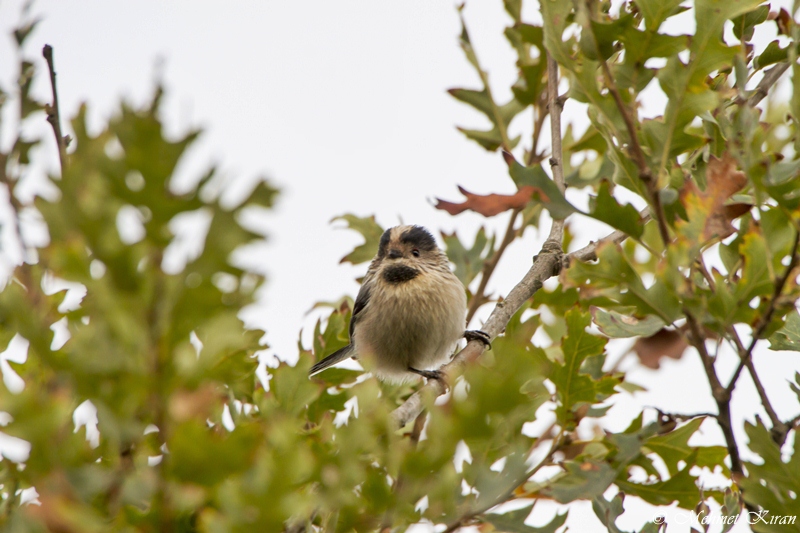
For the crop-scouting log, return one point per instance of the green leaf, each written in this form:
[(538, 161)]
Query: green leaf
[(199, 454), (605, 208), (782, 183), (788, 337), (681, 488), (491, 140), (674, 446), (772, 54), (685, 84), (617, 325), (514, 522), (468, 262), (609, 511), (531, 81), (292, 388), (500, 116), (756, 277), (744, 25), (545, 190), (371, 232), (614, 277), (556, 14), (574, 387), (480, 100), (774, 483), (514, 8), (657, 11), (583, 480)]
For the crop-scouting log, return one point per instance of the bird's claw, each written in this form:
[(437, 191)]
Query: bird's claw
[(478, 335), (428, 374)]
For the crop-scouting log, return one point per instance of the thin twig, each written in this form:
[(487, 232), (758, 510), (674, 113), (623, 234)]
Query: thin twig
[(683, 417), (538, 123), (762, 392), (53, 116), (721, 396), (589, 252), (770, 78), (480, 298), (554, 107), (554, 102), (766, 318), (635, 148)]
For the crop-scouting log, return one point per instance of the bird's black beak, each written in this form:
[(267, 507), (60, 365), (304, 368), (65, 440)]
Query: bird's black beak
[(394, 253)]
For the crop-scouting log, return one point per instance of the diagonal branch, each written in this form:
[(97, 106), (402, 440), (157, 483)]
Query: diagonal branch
[(766, 318), (554, 106), (721, 396), (53, 116), (635, 147), (480, 297), (770, 78)]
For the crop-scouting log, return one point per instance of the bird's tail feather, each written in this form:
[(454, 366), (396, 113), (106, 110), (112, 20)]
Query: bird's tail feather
[(336, 357)]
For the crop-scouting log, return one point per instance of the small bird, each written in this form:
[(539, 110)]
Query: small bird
[(410, 312)]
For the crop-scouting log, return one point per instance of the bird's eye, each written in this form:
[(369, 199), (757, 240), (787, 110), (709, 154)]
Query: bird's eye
[(415, 252)]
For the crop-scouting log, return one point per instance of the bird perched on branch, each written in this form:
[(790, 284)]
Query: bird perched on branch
[(410, 311)]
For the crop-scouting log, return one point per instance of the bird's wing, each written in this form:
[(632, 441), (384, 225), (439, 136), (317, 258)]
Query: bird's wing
[(361, 302), (336, 357), (344, 353)]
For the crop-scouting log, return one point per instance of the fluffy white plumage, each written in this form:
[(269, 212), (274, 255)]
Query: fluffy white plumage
[(410, 312)]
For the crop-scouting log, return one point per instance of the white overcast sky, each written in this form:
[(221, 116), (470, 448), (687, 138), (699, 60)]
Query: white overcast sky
[(343, 105)]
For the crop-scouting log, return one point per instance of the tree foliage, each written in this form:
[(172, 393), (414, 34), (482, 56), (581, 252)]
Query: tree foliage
[(703, 259)]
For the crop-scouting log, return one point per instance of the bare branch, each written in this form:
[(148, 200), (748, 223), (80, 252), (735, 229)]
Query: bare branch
[(480, 297), (556, 160), (721, 396), (635, 148), (555, 105), (766, 318), (540, 114), (770, 78), (53, 116), (777, 424), (589, 252)]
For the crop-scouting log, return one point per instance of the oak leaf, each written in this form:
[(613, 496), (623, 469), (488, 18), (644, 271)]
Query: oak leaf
[(663, 343), (723, 180), (487, 205)]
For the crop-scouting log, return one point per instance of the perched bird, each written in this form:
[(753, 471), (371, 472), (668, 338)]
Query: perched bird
[(410, 311)]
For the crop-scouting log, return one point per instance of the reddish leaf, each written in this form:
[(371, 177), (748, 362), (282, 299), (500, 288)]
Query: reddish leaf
[(664, 343), (784, 22), (722, 182), (488, 205)]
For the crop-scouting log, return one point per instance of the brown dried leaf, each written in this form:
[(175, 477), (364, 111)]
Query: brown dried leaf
[(722, 182), (487, 205), (784, 22), (664, 343)]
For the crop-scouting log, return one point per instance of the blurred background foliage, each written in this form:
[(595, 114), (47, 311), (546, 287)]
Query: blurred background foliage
[(189, 438)]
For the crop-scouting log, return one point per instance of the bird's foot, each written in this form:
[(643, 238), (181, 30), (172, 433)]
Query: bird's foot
[(478, 335), (429, 374)]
